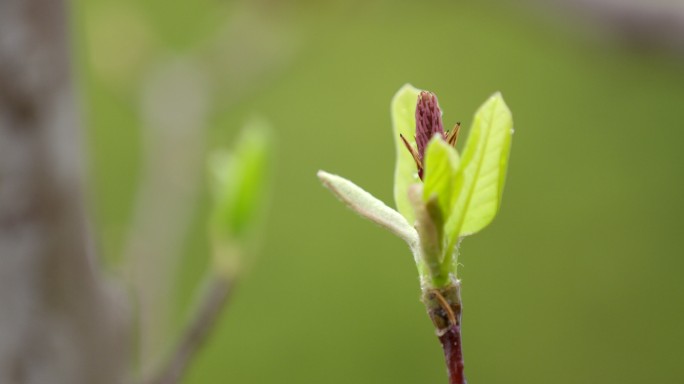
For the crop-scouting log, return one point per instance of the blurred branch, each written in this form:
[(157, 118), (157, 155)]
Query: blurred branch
[(210, 305), (175, 103), (61, 321), (655, 23), (177, 97)]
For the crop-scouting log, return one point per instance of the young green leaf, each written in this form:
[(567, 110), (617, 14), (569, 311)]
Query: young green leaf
[(403, 111), (441, 166), (238, 180), (482, 171)]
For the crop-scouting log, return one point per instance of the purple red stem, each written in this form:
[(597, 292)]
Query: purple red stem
[(451, 343)]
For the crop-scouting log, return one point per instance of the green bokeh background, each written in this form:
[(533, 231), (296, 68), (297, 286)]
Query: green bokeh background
[(579, 278)]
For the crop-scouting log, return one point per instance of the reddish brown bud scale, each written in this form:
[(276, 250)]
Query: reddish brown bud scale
[(414, 153), (428, 121), (452, 136), (428, 124)]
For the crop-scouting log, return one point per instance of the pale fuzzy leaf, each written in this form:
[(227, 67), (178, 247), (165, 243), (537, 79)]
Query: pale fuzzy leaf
[(403, 110), (369, 207), (483, 169)]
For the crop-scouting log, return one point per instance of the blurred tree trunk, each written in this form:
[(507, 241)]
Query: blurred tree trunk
[(61, 322)]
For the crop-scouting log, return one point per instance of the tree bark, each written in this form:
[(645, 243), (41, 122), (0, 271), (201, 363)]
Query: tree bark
[(60, 320)]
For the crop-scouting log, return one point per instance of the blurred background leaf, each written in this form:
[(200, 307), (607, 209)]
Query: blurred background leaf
[(579, 275), (238, 178)]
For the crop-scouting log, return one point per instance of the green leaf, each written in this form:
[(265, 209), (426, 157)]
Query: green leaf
[(238, 180), (403, 111), (480, 179), (441, 166)]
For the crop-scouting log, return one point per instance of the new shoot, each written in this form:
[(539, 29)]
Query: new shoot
[(441, 197)]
